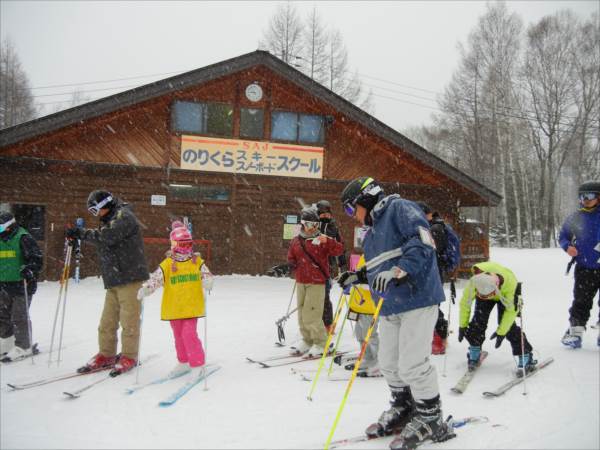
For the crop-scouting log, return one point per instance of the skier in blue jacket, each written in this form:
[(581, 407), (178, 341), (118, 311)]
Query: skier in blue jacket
[(580, 238), (401, 267)]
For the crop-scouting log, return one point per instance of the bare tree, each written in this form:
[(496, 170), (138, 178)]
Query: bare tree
[(283, 37), (16, 101), (314, 53)]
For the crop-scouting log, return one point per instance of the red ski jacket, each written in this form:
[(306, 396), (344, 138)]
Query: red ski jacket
[(306, 271)]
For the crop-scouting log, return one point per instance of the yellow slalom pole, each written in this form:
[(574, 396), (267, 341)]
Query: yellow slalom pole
[(354, 372), (326, 349)]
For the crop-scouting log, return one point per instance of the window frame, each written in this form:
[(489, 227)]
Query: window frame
[(297, 141), (205, 106)]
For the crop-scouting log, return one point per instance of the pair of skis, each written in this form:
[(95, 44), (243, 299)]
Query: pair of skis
[(284, 360), (464, 381), (452, 424), (307, 375), (182, 390)]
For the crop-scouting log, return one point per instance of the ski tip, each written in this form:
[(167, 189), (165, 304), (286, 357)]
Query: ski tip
[(70, 394)]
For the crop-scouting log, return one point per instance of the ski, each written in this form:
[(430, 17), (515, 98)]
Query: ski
[(156, 381), (296, 360), (270, 358), (44, 381), (34, 351), (517, 380), (461, 385), (77, 393), (187, 386), (453, 423), (308, 375)]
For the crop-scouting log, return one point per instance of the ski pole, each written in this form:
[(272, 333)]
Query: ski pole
[(326, 349), (206, 337), (64, 279), (354, 372), (29, 331), (452, 299), (64, 310), (137, 369), (520, 306), (280, 322), (337, 341)]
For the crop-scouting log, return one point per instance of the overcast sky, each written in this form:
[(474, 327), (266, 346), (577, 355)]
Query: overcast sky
[(410, 43)]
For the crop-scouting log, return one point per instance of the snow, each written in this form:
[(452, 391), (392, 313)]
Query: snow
[(249, 407)]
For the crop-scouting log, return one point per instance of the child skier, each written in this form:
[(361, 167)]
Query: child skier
[(184, 276), (307, 257)]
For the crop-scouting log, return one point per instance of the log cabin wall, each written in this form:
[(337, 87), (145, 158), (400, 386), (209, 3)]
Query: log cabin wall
[(133, 152)]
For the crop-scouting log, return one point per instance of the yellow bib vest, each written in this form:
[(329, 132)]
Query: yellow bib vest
[(361, 301), (183, 296)]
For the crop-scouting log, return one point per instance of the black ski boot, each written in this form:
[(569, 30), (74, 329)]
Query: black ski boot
[(393, 420), (427, 424)]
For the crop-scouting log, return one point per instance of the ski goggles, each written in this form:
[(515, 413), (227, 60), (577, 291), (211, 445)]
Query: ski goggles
[(350, 208), (95, 209), (4, 226), (309, 223), (587, 196), (182, 245)]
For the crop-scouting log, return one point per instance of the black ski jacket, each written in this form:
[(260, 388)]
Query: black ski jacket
[(120, 247)]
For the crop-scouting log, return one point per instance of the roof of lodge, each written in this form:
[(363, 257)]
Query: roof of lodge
[(97, 108)]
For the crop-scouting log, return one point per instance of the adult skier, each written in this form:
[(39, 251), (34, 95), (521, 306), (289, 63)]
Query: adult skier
[(491, 285), (307, 258), (120, 248), (401, 267), (447, 246), (20, 261), (580, 238)]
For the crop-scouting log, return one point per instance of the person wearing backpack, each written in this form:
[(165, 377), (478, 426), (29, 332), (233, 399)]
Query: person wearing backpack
[(307, 258), (447, 246)]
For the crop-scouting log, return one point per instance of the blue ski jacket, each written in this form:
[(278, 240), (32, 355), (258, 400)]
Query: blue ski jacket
[(582, 230), (400, 237)]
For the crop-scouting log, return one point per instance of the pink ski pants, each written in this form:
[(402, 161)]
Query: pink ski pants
[(187, 343)]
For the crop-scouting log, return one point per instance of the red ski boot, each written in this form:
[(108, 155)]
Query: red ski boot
[(98, 362)]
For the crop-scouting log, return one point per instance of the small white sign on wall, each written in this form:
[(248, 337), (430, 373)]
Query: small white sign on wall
[(158, 200)]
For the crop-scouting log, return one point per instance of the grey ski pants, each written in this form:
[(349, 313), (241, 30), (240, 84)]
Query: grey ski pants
[(404, 349), (14, 318)]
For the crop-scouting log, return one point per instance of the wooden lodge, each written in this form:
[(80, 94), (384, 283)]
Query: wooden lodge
[(236, 148)]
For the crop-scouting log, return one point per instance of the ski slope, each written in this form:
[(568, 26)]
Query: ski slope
[(244, 406)]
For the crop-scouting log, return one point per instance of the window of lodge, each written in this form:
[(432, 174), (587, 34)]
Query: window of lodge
[(295, 127), (202, 118)]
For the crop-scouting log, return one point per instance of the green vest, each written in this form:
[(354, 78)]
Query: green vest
[(11, 258)]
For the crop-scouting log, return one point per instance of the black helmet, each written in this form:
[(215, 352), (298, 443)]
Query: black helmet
[(323, 206), (363, 191), (7, 220), (98, 200), (589, 186), (424, 207), (309, 215)]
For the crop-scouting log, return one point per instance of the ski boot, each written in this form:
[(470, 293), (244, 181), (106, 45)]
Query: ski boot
[(98, 361), (473, 357), (527, 362), (6, 345), (572, 337), (17, 353), (438, 346), (299, 348), (392, 421), (426, 424), (124, 364)]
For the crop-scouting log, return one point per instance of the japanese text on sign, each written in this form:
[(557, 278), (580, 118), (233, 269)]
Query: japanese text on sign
[(251, 157)]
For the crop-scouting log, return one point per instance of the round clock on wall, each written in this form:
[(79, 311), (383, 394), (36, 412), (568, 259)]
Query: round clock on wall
[(254, 92)]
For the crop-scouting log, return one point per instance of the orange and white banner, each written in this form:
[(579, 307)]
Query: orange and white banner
[(251, 157)]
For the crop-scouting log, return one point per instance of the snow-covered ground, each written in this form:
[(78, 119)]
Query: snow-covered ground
[(249, 407)]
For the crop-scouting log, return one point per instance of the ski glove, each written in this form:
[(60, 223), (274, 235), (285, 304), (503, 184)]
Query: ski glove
[(74, 233), (499, 339), (346, 279), (382, 280), (461, 333), (27, 274), (207, 283)]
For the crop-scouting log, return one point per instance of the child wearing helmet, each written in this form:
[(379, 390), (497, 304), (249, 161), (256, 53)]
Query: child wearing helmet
[(184, 276)]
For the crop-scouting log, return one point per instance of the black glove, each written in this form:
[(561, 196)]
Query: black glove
[(348, 278), (74, 233), (461, 333), (27, 274), (499, 339)]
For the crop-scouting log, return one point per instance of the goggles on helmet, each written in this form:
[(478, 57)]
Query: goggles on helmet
[(6, 225), (309, 223), (587, 196), (350, 208), (95, 209)]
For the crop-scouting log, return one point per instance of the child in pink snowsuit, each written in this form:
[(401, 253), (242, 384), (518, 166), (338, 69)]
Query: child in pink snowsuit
[(184, 277)]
